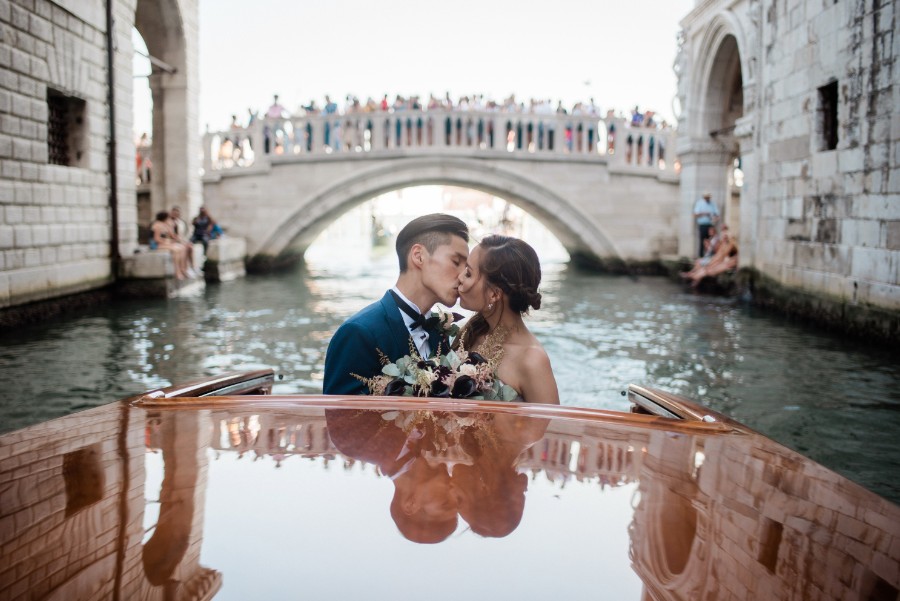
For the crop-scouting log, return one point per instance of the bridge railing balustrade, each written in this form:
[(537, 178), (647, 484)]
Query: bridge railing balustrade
[(479, 133)]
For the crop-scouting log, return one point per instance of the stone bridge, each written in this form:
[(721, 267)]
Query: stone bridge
[(608, 191)]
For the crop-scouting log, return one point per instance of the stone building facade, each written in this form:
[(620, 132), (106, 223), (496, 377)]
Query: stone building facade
[(66, 217), (804, 95)]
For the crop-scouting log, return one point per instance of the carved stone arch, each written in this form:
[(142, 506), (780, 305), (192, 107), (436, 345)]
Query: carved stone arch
[(720, 52), (161, 24), (581, 237), (169, 29)]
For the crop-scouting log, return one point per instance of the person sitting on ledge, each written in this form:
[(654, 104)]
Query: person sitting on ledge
[(164, 239), (179, 233), (205, 228), (724, 258), (710, 245)]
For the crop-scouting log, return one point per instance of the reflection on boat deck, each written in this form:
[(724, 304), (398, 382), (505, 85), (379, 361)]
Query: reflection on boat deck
[(715, 514)]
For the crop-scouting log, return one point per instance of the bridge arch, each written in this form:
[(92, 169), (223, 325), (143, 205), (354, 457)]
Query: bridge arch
[(580, 235)]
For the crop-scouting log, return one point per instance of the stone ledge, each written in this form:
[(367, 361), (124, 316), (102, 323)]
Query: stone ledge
[(151, 273), (30, 284), (225, 259), (840, 315), (150, 264)]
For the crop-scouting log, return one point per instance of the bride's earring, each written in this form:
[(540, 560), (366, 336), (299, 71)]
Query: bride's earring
[(490, 307)]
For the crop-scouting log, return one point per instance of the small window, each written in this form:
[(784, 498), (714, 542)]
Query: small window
[(828, 116), (65, 129)]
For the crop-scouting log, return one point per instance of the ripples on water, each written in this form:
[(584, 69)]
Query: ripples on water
[(833, 400)]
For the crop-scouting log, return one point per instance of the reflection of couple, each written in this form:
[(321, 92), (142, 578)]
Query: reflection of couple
[(443, 465), (498, 280)]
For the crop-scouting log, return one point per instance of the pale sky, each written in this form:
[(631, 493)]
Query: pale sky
[(618, 52)]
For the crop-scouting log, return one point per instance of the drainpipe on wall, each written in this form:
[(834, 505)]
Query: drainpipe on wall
[(111, 146)]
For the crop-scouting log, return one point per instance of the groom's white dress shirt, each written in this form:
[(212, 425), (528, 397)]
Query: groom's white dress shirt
[(419, 335)]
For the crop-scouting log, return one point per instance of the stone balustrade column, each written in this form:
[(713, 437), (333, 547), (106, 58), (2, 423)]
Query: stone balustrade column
[(560, 144), (585, 135), (376, 143), (257, 143), (619, 145), (499, 121), (390, 130), (437, 127), (207, 154), (319, 139)]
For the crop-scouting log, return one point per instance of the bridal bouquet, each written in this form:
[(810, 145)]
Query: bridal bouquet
[(458, 374)]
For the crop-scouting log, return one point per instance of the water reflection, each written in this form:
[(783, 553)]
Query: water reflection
[(831, 399), (443, 464), (712, 514)]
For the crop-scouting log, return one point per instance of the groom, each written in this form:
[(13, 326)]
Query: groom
[(432, 251)]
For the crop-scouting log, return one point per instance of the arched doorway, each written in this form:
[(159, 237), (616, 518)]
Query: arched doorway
[(724, 106), (710, 141), (164, 26), (142, 128)]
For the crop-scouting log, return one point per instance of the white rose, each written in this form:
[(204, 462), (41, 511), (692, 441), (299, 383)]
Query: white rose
[(468, 369)]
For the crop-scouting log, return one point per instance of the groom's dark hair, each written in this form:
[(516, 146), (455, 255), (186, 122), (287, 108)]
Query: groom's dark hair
[(430, 231)]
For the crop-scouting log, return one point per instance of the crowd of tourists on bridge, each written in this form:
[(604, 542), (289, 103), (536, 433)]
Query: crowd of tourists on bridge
[(475, 102), (350, 127)]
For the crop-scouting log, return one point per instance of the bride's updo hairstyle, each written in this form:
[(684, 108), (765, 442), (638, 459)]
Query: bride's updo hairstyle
[(511, 265)]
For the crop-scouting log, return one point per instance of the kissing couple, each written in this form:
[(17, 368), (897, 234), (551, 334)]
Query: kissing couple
[(498, 280)]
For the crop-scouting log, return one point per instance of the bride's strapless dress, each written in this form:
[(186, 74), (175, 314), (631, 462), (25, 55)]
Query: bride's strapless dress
[(519, 398)]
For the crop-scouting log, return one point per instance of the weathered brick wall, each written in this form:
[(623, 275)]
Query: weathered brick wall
[(812, 219), (54, 224), (830, 219), (56, 221)]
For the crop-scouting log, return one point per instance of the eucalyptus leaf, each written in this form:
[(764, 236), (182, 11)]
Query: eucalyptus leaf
[(508, 393), (390, 370)]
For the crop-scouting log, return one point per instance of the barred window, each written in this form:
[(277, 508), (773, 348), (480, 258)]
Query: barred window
[(65, 129)]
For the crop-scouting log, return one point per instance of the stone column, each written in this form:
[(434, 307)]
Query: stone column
[(176, 179), (704, 168), (747, 219)]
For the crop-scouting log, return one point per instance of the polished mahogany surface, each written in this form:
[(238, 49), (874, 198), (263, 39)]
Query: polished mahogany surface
[(306, 497)]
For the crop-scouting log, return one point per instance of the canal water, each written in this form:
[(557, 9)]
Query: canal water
[(834, 400)]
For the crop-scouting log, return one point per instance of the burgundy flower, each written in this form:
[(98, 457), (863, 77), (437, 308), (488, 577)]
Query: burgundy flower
[(395, 387), (440, 390), (464, 387), (476, 358), (442, 372)]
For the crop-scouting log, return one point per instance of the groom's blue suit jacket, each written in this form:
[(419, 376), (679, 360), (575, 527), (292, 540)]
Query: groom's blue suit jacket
[(353, 347)]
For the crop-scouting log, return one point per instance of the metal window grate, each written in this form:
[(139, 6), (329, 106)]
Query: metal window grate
[(58, 130)]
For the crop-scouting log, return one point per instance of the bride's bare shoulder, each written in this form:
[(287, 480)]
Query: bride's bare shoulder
[(534, 357)]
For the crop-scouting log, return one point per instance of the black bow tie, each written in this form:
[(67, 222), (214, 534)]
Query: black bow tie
[(419, 321)]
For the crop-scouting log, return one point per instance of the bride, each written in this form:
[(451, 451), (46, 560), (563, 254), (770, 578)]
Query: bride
[(500, 284)]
